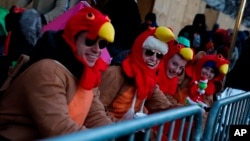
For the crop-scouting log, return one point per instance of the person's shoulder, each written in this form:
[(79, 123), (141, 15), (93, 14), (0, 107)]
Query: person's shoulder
[(49, 63), (114, 70), (48, 66), (113, 73)]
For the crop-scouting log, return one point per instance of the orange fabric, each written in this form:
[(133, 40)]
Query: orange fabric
[(181, 95), (123, 102), (80, 105)]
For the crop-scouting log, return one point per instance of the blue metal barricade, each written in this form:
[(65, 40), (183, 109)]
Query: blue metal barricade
[(234, 110), (130, 127)]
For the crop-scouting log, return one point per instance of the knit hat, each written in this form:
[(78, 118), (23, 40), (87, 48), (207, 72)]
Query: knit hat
[(134, 65), (212, 65), (184, 41), (96, 25)]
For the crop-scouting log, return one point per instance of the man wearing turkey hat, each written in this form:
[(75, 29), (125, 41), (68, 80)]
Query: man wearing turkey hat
[(57, 92), (127, 89)]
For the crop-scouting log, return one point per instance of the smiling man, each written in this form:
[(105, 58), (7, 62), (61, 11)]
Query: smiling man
[(57, 93)]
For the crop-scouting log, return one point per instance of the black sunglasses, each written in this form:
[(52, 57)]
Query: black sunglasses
[(149, 52), (102, 43)]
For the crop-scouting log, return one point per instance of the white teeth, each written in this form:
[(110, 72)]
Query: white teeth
[(151, 64), (92, 56)]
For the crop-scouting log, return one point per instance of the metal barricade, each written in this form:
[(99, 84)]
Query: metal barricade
[(129, 128), (234, 110)]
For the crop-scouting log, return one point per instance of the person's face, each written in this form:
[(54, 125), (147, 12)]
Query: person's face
[(151, 57), (208, 72), (149, 22), (175, 66), (89, 50)]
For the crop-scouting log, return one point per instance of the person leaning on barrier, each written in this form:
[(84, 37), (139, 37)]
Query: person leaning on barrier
[(203, 79), (169, 77), (57, 93), (127, 89), (173, 67)]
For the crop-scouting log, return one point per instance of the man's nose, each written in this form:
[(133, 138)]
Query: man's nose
[(96, 48), (153, 57)]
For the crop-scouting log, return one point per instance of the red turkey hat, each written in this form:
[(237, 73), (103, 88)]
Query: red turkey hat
[(96, 25), (194, 71), (169, 85), (134, 65)]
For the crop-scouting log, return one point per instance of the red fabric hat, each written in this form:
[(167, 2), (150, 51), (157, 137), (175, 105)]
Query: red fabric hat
[(134, 65), (96, 25), (194, 71), (169, 85)]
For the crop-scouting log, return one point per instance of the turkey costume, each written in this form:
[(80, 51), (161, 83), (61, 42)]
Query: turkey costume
[(169, 85), (190, 86), (126, 89), (57, 93)]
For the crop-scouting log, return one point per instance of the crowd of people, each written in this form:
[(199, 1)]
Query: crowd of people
[(66, 86)]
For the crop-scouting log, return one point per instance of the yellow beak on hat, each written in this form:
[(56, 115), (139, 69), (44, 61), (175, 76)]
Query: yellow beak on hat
[(224, 69), (107, 32), (187, 53), (164, 34)]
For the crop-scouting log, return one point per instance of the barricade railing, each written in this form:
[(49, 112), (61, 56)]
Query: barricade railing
[(234, 110), (129, 128)]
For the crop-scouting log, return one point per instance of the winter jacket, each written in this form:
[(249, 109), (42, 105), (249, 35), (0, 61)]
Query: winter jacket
[(37, 105)]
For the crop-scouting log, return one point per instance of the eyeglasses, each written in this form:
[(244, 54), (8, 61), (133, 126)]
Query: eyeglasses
[(149, 52), (90, 43)]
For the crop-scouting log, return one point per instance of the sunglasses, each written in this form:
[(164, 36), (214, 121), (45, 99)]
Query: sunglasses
[(149, 52), (90, 43)]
